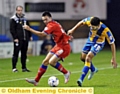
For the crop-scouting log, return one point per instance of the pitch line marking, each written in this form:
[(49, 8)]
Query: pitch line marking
[(47, 75)]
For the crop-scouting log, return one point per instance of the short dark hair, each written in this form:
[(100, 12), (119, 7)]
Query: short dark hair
[(46, 13), (19, 6), (95, 21)]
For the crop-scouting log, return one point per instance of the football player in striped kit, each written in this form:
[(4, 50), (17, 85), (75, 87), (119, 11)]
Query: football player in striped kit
[(96, 41)]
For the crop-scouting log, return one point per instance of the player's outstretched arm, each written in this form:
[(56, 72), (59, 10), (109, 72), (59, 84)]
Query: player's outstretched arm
[(38, 33), (79, 24), (113, 60)]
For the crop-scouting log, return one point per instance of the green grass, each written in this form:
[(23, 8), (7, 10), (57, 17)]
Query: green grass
[(106, 81)]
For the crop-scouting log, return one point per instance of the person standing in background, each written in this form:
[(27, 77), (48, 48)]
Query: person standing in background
[(21, 38), (47, 45)]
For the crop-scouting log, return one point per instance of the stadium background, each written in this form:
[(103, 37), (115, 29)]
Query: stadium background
[(106, 81), (107, 10)]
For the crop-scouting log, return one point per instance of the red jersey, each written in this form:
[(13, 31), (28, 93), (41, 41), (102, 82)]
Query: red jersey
[(59, 35)]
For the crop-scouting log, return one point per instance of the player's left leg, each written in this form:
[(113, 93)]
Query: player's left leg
[(86, 67), (59, 54), (54, 62)]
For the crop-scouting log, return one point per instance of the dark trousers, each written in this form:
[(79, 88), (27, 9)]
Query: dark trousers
[(22, 46)]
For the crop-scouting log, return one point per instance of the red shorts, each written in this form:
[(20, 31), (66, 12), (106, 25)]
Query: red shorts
[(61, 51)]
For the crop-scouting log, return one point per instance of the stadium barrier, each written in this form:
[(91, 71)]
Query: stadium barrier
[(34, 48)]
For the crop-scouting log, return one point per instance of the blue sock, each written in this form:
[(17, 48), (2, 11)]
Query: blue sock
[(84, 72), (92, 68), (43, 67), (57, 65)]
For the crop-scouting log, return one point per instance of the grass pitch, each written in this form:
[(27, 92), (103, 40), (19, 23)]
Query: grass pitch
[(106, 81)]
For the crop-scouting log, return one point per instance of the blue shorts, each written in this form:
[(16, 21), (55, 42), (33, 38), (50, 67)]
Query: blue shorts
[(93, 47)]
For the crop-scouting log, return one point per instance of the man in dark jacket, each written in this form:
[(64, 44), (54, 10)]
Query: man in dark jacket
[(21, 38)]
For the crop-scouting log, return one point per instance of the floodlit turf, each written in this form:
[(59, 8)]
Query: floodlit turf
[(106, 81)]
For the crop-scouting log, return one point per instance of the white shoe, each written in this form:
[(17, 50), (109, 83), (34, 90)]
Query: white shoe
[(32, 81), (92, 73), (67, 77), (15, 70)]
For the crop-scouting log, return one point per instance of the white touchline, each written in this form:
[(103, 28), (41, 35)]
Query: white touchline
[(48, 75)]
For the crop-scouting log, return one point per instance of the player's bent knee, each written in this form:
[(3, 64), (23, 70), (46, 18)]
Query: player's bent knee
[(45, 62), (52, 63), (88, 58)]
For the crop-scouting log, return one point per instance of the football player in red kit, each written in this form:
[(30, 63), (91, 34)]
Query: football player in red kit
[(58, 52)]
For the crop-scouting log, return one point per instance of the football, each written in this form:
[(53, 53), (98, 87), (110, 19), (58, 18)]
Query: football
[(53, 81)]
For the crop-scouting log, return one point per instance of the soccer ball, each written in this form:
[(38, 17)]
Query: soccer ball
[(53, 81)]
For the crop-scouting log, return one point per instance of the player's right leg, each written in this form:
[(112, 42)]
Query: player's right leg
[(83, 56), (41, 70), (87, 66), (95, 49)]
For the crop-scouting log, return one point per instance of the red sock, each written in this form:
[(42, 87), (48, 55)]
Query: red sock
[(59, 67), (41, 71)]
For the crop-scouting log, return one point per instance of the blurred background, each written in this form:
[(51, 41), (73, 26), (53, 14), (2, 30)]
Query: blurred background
[(67, 12)]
